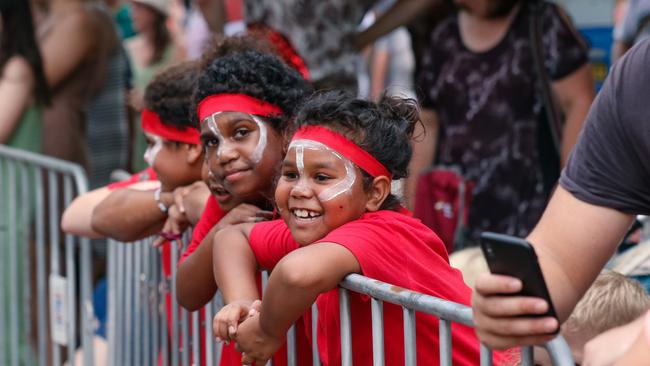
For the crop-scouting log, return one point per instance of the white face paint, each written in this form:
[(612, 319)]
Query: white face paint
[(257, 154), (340, 187), (153, 149), (256, 157)]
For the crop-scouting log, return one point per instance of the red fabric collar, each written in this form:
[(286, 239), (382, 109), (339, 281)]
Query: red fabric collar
[(345, 147), (235, 103), (153, 124)]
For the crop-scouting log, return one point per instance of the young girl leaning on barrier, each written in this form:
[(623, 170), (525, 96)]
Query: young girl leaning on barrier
[(338, 218), (244, 102)]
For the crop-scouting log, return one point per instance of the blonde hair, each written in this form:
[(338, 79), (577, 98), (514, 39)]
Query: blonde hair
[(470, 262), (611, 301)]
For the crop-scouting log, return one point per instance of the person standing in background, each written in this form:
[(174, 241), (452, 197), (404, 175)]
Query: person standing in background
[(23, 93), (149, 52), (482, 113), (76, 39), (632, 28)]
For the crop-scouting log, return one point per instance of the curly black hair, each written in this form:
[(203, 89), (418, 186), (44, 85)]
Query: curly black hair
[(169, 94), (383, 129), (255, 73)]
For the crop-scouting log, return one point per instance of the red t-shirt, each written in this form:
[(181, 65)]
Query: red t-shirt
[(393, 248), (145, 175), (229, 356)]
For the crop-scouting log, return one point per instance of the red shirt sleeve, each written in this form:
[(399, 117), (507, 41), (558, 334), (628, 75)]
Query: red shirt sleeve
[(211, 215), (270, 241), (146, 175)]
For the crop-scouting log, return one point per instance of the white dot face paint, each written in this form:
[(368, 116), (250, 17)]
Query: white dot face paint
[(152, 150), (340, 187)]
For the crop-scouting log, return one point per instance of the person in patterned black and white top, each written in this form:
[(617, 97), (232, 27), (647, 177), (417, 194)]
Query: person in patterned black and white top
[(482, 114)]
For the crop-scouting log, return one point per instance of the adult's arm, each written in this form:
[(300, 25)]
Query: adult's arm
[(575, 94), (214, 14), (67, 46), (401, 13), (127, 214), (16, 87), (425, 139), (573, 241)]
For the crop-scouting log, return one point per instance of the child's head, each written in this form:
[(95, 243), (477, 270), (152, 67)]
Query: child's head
[(341, 160), (174, 150), (611, 301), (244, 102)]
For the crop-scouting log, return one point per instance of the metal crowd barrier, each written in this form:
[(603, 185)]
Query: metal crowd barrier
[(138, 329), (34, 189)]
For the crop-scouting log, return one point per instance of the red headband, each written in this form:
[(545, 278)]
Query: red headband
[(345, 147), (151, 123), (235, 103)]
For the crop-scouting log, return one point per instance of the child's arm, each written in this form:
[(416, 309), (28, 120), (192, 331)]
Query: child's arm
[(195, 280), (77, 216), (293, 286), (127, 214), (235, 268)]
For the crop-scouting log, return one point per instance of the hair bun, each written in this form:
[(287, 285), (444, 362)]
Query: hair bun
[(403, 112)]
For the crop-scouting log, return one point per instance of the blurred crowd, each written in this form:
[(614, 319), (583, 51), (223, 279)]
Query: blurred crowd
[(503, 93)]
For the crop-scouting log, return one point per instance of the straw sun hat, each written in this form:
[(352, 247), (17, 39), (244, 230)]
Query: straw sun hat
[(159, 5)]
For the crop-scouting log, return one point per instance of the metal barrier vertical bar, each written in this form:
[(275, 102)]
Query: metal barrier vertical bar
[(137, 283), (175, 336), (155, 329), (218, 347), (54, 243), (291, 346), (314, 336), (196, 338), (486, 356), (70, 274), (121, 284), (14, 325), (346, 329), (88, 311), (410, 354), (527, 356), (444, 330), (3, 211), (207, 332), (146, 297), (41, 282), (26, 219), (112, 303), (185, 335), (128, 304), (377, 311), (162, 309)]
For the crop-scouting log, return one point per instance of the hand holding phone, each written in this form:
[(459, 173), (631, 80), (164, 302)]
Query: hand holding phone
[(515, 257)]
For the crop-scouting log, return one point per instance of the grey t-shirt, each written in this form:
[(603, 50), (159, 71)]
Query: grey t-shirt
[(610, 165)]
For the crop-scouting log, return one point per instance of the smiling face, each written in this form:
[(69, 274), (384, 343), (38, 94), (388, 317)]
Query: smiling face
[(243, 153), (318, 191)]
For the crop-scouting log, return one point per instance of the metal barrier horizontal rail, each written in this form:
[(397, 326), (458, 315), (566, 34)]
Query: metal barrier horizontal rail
[(34, 189), (410, 301)]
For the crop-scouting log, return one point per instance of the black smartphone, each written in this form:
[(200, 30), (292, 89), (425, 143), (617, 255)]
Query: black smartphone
[(515, 257)]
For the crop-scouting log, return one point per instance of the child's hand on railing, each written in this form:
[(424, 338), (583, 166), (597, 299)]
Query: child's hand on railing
[(225, 323), (256, 345)]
